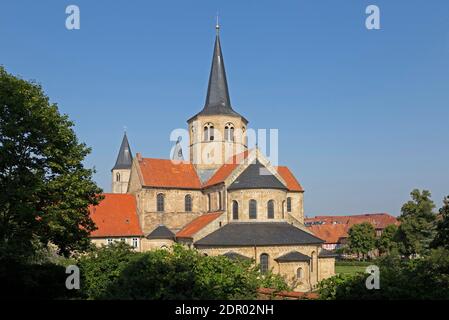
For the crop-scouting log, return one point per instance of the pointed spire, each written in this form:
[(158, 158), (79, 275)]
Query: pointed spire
[(124, 158), (217, 99)]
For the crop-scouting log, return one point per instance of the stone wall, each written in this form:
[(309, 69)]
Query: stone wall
[(262, 196), (322, 268), (120, 180), (128, 240), (212, 154), (327, 268), (153, 244)]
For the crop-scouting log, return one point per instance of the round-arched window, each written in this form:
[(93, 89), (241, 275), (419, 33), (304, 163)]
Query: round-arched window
[(270, 209), (264, 263), (235, 210), (160, 202), (252, 209)]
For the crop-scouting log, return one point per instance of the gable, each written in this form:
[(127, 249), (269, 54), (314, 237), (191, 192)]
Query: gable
[(256, 176)]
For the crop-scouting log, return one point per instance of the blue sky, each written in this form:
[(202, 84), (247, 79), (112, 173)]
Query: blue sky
[(363, 115)]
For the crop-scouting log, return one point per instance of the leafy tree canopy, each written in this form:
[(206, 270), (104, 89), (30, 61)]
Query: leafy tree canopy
[(361, 238), (117, 272), (417, 228), (44, 188), (442, 230), (385, 243), (423, 278)]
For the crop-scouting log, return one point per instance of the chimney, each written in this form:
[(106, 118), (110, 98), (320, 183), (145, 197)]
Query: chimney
[(138, 156)]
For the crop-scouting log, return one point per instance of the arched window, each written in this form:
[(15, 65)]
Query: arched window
[(289, 204), (270, 209), (312, 262), (229, 132), (299, 273), (283, 209), (235, 210), (160, 202), (252, 209), (208, 132), (244, 135), (188, 203), (208, 203), (117, 177), (219, 201), (264, 263), (211, 133)]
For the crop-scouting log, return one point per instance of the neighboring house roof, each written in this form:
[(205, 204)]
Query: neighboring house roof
[(287, 175), (235, 256), (217, 99), (378, 220), (256, 176), (327, 254), (257, 234), (124, 157), (168, 174), (161, 232), (293, 256), (197, 224), (115, 216), (330, 233)]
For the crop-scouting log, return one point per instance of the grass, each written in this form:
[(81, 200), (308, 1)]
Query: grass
[(344, 268), (348, 269)]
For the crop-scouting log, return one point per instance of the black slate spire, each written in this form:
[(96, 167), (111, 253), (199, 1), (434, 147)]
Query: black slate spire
[(217, 99), (124, 158)]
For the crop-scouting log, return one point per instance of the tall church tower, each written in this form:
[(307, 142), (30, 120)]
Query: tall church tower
[(122, 169), (217, 132)]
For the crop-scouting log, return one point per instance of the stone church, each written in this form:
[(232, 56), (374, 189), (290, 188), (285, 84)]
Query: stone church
[(226, 200)]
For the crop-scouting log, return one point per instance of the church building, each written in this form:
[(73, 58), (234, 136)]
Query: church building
[(226, 200)]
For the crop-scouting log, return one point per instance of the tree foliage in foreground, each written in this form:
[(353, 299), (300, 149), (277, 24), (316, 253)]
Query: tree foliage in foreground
[(421, 278), (116, 272), (44, 188)]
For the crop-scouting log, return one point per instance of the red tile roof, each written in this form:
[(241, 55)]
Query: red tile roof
[(115, 216), (169, 174), (197, 224), (225, 170), (378, 220), (330, 233), (287, 175), (166, 173), (333, 228)]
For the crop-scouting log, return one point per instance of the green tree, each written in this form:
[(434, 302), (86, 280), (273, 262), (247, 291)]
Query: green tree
[(385, 243), (361, 239), (45, 190), (424, 278), (442, 230), (116, 272), (100, 267), (417, 228)]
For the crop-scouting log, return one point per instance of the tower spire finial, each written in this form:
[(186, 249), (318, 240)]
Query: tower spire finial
[(217, 26)]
